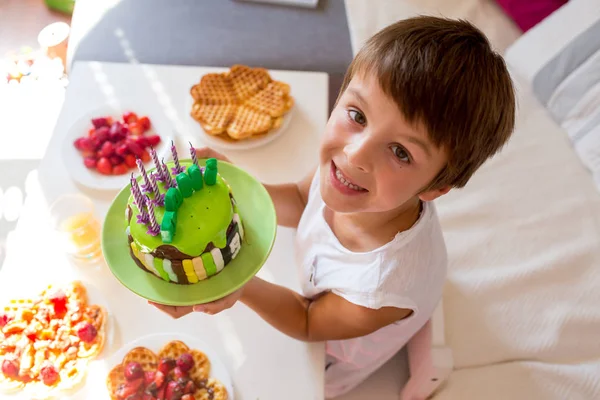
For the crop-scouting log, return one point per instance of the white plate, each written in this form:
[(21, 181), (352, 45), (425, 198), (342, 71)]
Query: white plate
[(94, 297), (91, 178), (156, 341), (246, 144)]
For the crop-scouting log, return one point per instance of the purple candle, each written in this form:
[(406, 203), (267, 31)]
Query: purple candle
[(147, 186), (159, 199), (177, 169), (154, 228), (142, 217), (159, 172), (194, 156), (169, 182)]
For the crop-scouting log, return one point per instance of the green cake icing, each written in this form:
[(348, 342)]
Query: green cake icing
[(202, 218)]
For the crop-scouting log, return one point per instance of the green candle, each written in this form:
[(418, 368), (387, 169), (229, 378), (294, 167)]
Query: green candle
[(210, 174), (167, 226), (173, 199), (184, 183), (196, 176)]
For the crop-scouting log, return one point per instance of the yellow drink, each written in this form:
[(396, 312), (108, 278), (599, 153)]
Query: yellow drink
[(77, 227)]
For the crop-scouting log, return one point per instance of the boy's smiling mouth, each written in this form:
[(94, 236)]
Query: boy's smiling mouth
[(343, 183)]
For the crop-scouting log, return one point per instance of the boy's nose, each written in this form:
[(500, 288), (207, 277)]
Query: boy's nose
[(357, 154)]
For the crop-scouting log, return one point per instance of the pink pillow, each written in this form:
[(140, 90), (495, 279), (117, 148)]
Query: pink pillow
[(528, 13)]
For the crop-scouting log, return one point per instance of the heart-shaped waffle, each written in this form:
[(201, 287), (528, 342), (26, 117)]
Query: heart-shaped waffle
[(206, 387), (210, 389), (146, 357), (241, 103), (58, 330)]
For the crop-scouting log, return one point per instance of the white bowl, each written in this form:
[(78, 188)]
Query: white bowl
[(90, 177)]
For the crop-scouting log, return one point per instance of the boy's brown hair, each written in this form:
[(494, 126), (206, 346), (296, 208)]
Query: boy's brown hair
[(444, 75)]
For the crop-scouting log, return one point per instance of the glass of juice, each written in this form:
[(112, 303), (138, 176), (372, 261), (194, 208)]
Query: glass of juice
[(73, 219)]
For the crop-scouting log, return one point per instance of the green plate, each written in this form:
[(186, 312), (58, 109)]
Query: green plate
[(260, 226)]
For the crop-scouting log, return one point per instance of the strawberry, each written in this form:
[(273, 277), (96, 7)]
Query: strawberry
[(130, 117), (4, 319), (86, 332), (130, 161), (148, 396), (49, 374), (58, 299), (10, 368), (115, 160), (120, 169), (161, 393), (144, 122), (145, 156), (153, 140), (142, 141), (133, 371), (89, 153), (149, 377), (116, 132), (159, 379), (136, 396), (122, 149), (174, 391), (89, 162), (187, 397), (104, 166), (134, 148), (135, 128), (125, 390), (102, 134), (79, 143), (185, 362), (179, 373), (165, 365), (91, 131), (100, 122), (107, 150), (190, 387)]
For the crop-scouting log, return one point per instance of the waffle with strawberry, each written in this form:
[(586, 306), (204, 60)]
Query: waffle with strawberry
[(175, 373), (47, 342)]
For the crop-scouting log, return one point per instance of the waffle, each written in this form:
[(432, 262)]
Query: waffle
[(240, 104), (147, 359), (199, 374), (214, 89), (248, 122), (115, 378), (213, 385), (214, 118), (37, 335)]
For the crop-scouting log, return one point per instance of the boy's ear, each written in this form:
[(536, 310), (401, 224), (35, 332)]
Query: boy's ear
[(433, 194)]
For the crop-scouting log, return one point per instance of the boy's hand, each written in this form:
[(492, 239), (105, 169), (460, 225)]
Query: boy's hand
[(211, 308), (207, 152)]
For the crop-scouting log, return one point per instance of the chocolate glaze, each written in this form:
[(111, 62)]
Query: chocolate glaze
[(202, 384), (177, 267)]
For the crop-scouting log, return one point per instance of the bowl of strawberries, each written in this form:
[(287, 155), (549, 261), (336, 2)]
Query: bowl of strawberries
[(102, 148)]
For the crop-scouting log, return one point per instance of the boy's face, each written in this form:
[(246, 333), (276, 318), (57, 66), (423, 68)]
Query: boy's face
[(372, 159)]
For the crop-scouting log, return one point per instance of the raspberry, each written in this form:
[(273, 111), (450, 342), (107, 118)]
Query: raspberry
[(86, 332), (185, 362), (133, 371)]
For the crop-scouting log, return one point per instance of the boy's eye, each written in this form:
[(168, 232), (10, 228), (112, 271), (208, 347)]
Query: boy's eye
[(401, 153), (357, 117)]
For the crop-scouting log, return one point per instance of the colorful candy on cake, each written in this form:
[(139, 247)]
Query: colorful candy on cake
[(183, 224)]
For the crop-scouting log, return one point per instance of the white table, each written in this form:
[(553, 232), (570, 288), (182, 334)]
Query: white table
[(264, 363)]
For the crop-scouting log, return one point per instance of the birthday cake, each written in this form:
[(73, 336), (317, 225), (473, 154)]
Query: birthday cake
[(183, 223)]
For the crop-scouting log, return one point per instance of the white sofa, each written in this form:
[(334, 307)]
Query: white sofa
[(522, 302)]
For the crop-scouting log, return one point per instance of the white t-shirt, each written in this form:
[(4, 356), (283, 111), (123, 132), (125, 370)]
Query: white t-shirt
[(408, 272)]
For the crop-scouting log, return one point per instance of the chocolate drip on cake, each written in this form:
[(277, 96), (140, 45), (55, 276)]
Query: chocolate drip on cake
[(226, 252), (177, 267)]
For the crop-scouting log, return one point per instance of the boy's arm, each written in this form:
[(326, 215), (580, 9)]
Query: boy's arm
[(328, 317), (290, 200)]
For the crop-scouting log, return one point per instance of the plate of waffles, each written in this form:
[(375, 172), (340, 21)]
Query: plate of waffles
[(242, 108), (49, 340), (168, 365)]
